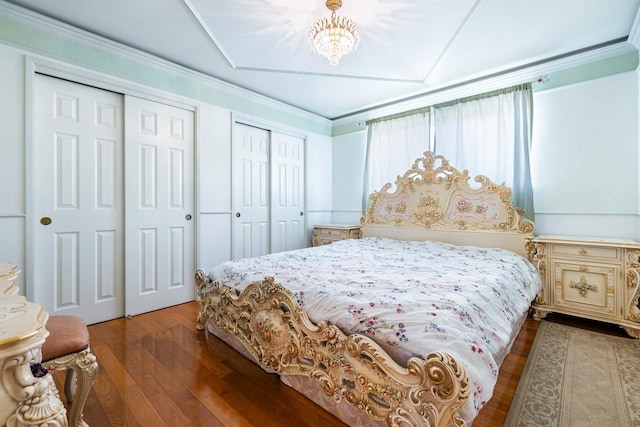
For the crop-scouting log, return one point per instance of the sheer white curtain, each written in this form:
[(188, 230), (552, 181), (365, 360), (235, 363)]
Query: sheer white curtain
[(490, 135), (393, 144)]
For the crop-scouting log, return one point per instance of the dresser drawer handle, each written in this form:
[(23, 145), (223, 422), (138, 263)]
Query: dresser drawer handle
[(583, 268), (582, 251)]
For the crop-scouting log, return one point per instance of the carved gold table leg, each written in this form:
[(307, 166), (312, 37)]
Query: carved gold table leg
[(35, 399)]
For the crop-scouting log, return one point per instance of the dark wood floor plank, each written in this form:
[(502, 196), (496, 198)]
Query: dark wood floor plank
[(223, 411), (142, 409), (199, 414), (110, 397), (109, 364), (192, 349)]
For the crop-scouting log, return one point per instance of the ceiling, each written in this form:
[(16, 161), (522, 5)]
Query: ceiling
[(407, 47)]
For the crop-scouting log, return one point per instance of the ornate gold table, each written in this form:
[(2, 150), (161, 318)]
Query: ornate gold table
[(28, 395)]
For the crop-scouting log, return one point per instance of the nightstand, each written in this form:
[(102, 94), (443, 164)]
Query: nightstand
[(591, 278), (325, 234)]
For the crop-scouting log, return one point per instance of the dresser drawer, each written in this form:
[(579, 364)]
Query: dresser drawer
[(593, 252), (325, 234), (585, 288), (338, 233)]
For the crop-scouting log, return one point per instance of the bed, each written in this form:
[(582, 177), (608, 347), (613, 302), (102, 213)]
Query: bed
[(407, 325)]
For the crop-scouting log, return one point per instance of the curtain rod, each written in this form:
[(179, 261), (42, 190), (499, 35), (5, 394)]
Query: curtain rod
[(521, 86), (421, 110)]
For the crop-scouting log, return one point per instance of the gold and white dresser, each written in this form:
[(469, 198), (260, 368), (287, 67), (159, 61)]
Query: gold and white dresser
[(592, 278), (325, 234), (28, 394)]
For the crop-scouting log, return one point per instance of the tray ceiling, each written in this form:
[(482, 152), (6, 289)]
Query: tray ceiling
[(407, 47)]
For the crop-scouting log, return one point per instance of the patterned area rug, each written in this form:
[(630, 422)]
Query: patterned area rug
[(578, 378)]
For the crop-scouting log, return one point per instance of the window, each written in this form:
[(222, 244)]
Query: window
[(393, 144), (488, 134)]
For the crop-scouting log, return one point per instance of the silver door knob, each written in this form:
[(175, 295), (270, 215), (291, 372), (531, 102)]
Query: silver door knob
[(301, 213), (187, 217), (237, 214)]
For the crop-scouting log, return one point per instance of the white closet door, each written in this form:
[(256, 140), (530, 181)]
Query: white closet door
[(159, 197), (287, 192), (251, 191), (78, 200)]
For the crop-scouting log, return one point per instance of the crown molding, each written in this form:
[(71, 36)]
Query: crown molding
[(485, 82), (634, 34), (40, 22)]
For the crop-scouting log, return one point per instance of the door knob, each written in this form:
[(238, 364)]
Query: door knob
[(301, 213), (237, 214), (45, 220), (187, 217)]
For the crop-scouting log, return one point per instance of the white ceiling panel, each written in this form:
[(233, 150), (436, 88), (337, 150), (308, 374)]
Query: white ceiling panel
[(504, 34)]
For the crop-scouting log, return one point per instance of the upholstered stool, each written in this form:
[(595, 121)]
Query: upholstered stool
[(67, 349)]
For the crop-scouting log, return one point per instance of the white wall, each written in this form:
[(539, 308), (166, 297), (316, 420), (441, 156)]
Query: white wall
[(320, 180), (12, 159), (348, 169), (214, 186), (584, 161), (584, 158)]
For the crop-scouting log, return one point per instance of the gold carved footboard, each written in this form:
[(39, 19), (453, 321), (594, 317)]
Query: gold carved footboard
[(278, 333)]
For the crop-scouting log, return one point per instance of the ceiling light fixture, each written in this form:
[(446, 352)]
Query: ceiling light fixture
[(336, 37)]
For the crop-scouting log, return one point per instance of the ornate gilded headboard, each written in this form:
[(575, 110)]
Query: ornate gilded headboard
[(433, 200)]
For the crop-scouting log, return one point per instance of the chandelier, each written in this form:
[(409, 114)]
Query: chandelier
[(336, 37)]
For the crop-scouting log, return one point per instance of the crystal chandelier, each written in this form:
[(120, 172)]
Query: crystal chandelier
[(336, 37)]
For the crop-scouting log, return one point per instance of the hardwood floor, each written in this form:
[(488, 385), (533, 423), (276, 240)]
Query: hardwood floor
[(157, 370)]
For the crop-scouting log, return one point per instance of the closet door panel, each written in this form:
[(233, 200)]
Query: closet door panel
[(251, 191), (287, 203), (159, 225), (78, 200)]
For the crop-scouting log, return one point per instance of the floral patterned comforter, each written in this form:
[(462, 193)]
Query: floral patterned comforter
[(410, 297)]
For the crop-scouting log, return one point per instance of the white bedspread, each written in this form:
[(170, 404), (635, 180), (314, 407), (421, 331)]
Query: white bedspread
[(411, 297)]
